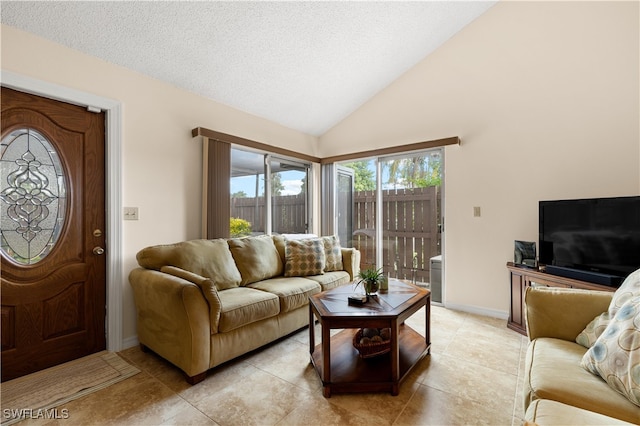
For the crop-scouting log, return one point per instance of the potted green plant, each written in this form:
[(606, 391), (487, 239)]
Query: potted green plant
[(370, 280)]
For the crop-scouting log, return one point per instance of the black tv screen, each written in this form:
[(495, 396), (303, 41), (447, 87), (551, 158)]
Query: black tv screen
[(600, 235)]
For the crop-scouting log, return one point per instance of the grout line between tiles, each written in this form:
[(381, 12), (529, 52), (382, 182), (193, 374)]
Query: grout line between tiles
[(157, 379), (464, 321)]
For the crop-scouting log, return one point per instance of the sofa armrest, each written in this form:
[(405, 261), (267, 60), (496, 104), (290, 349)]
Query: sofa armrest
[(184, 274), (208, 288), (351, 261), (173, 319), (562, 313)]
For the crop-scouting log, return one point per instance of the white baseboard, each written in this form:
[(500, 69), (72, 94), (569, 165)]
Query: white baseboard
[(477, 310), (130, 342)]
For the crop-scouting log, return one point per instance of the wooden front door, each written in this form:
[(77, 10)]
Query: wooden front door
[(52, 217)]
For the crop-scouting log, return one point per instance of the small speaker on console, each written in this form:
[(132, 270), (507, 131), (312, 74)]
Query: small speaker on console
[(524, 253)]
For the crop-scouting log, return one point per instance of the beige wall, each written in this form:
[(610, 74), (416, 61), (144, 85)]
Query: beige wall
[(161, 162), (544, 96)]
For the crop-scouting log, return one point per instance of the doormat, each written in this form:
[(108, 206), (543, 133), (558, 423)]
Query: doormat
[(36, 395)]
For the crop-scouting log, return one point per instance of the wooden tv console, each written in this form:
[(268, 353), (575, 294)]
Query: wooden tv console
[(523, 277)]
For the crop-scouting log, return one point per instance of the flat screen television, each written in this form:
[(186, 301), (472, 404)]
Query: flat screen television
[(595, 240)]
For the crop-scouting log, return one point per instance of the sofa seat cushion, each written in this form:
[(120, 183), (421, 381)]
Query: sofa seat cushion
[(293, 292), (553, 371), (242, 306), (545, 412), (330, 280)]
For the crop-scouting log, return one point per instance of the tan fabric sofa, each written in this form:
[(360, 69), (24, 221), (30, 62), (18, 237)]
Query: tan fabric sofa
[(203, 302), (557, 389)]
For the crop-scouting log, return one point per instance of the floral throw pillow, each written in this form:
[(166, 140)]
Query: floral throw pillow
[(629, 289), (615, 356), (304, 257), (333, 254), (593, 330)]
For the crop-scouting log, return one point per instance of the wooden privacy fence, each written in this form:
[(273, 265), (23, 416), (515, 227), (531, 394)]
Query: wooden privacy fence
[(410, 226), (410, 230), (288, 213)]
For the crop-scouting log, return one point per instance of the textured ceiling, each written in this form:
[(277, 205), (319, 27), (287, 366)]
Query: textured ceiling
[(305, 65)]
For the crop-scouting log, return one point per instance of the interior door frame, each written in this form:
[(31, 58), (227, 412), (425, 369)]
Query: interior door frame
[(113, 141)]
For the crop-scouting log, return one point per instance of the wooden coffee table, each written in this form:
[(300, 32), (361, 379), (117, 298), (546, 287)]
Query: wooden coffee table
[(336, 360)]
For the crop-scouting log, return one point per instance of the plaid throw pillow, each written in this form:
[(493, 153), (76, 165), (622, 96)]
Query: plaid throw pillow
[(333, 254), (304, 257)]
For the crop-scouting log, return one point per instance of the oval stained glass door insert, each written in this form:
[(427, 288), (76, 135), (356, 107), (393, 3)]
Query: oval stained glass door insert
[(33, 197)]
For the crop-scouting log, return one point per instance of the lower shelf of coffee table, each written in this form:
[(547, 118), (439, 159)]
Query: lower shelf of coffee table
[(351, 373)]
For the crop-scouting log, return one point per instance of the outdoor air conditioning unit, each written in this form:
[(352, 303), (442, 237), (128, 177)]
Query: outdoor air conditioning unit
[(435, 278)]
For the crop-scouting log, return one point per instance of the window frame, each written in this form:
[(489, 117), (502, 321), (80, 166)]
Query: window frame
[(267, 159)]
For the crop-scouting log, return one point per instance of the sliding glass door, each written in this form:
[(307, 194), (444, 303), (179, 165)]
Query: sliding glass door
[(289, 196), (344, 198), (363, 204), (411, 214), (397, 213), (247, 193), (278, 204)]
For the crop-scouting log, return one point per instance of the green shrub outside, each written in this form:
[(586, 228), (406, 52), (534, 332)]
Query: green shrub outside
[(239, 227)]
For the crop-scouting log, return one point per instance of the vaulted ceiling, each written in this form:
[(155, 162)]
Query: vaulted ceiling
[(306, 65)]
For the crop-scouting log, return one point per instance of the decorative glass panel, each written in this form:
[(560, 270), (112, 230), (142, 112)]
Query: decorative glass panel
[(32, 196)]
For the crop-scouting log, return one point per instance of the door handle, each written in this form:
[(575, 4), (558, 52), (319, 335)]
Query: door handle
[(98, 250)]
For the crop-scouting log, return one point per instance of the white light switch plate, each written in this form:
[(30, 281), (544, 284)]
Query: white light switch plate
[(130, 213)]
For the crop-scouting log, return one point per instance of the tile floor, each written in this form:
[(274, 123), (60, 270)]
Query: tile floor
[(473, 376)]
